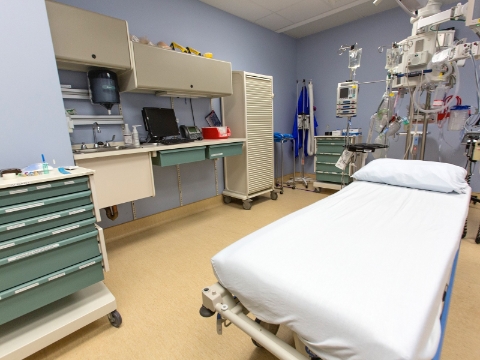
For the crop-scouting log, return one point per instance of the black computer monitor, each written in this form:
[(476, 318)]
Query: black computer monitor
[(160, 123)]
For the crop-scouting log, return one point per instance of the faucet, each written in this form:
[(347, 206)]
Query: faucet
[(107, 142), (96, 128)]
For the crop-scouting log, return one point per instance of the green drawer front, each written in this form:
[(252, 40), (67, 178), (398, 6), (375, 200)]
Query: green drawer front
[(36, 240), (44, 260), (21, 194), (30, 296), (42, 207), (179, 156), (42, 223), (329, 167), (329, 148), (333, 177), (331, 140), (218, 151), (328, 157)]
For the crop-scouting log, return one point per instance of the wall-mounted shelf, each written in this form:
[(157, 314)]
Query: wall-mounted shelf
[(79, 94), (100, 119)]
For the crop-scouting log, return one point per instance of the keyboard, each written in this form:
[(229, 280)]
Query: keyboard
[(174, 141)]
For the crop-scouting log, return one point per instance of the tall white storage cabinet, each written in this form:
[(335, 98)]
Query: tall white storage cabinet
[(249, 114)]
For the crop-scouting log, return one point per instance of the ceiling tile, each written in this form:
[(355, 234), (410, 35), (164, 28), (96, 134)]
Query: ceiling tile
[(275, 5), (246, 9), (304, 10), (368, 8), (274, 22), (340, 18)]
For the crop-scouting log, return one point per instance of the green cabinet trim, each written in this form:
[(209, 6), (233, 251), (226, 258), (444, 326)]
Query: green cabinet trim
[(21, 194), (179, 156), (218, 151), (34, 294)]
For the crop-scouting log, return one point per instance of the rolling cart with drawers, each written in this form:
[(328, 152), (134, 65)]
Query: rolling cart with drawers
[(52, 259), (328, 151)]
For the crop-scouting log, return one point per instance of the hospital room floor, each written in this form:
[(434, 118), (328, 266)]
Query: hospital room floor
[(157, 276)]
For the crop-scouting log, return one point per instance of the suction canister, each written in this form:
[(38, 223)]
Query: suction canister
[(103, 87)]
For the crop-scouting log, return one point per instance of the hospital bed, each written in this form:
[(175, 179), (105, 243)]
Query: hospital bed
[(366, 273)]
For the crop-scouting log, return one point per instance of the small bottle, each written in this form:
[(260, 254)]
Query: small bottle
[(127, 136), (135, 138), (45, 166)]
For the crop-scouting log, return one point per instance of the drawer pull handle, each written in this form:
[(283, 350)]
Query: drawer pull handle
[(69, 182), (65, 229), (56, 276), (6, 246), (24, 207), (16, 226), (219, 154), (13, 192), (76, 211), (26, 288), (33, 252), (87, 265), (49, 218), (40, 187)]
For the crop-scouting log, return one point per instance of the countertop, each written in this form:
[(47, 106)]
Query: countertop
[(52, 176), (144, 148)]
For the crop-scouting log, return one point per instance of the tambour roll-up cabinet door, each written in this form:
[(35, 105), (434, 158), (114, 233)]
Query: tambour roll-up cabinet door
[(259, 132), (82, 39)]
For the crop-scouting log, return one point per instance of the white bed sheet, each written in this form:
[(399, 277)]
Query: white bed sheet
[(359, 275)]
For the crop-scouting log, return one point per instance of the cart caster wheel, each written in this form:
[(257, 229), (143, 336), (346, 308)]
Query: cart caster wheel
[(247, 205), (293, 187), (477, 240), (227, 199), (115, 318), (318, 190), (281, 192), (274, 195)]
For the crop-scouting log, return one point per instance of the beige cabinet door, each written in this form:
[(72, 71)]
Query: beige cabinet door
[(82, 39)]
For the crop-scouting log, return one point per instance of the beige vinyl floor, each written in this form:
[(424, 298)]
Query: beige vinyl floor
[(157, 277)]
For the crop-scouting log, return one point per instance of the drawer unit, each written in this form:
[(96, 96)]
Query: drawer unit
[(179, 156), (42, 238), (29, 265), (41, 207), (330, 167), (218, 151), (29, 226), (28, 193), (22, 299), (333, 177), (328, 157)]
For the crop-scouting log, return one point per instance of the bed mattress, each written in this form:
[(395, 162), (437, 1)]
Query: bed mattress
[(359, 275)]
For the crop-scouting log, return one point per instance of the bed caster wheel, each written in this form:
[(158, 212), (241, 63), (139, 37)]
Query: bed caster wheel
[(227, 199), (293, 187), (318, 190), (274, 195), (115, 318), (247, 205), (205, 312)]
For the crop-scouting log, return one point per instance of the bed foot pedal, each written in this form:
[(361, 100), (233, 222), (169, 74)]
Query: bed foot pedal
[(204, 312)]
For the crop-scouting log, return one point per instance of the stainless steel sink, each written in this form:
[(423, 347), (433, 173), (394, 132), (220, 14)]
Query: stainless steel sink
[(100, 149)]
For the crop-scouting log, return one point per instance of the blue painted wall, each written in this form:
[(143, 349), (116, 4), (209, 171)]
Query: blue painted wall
[(247, 46), (32, 119), (318, 60)]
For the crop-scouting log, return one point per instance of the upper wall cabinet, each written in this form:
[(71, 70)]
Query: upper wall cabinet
[(83, 39), (171, 73)]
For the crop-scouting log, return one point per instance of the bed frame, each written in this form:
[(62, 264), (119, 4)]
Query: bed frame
[(229, 309)]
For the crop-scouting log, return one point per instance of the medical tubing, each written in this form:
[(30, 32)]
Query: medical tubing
[(311, 133), (476, 82), (447, 105)]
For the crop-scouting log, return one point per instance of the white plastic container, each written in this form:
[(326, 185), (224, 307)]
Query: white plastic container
[(458, 116), (135, 138), (127, 136)]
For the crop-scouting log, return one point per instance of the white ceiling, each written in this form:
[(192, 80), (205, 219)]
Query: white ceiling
[(299, 18)]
